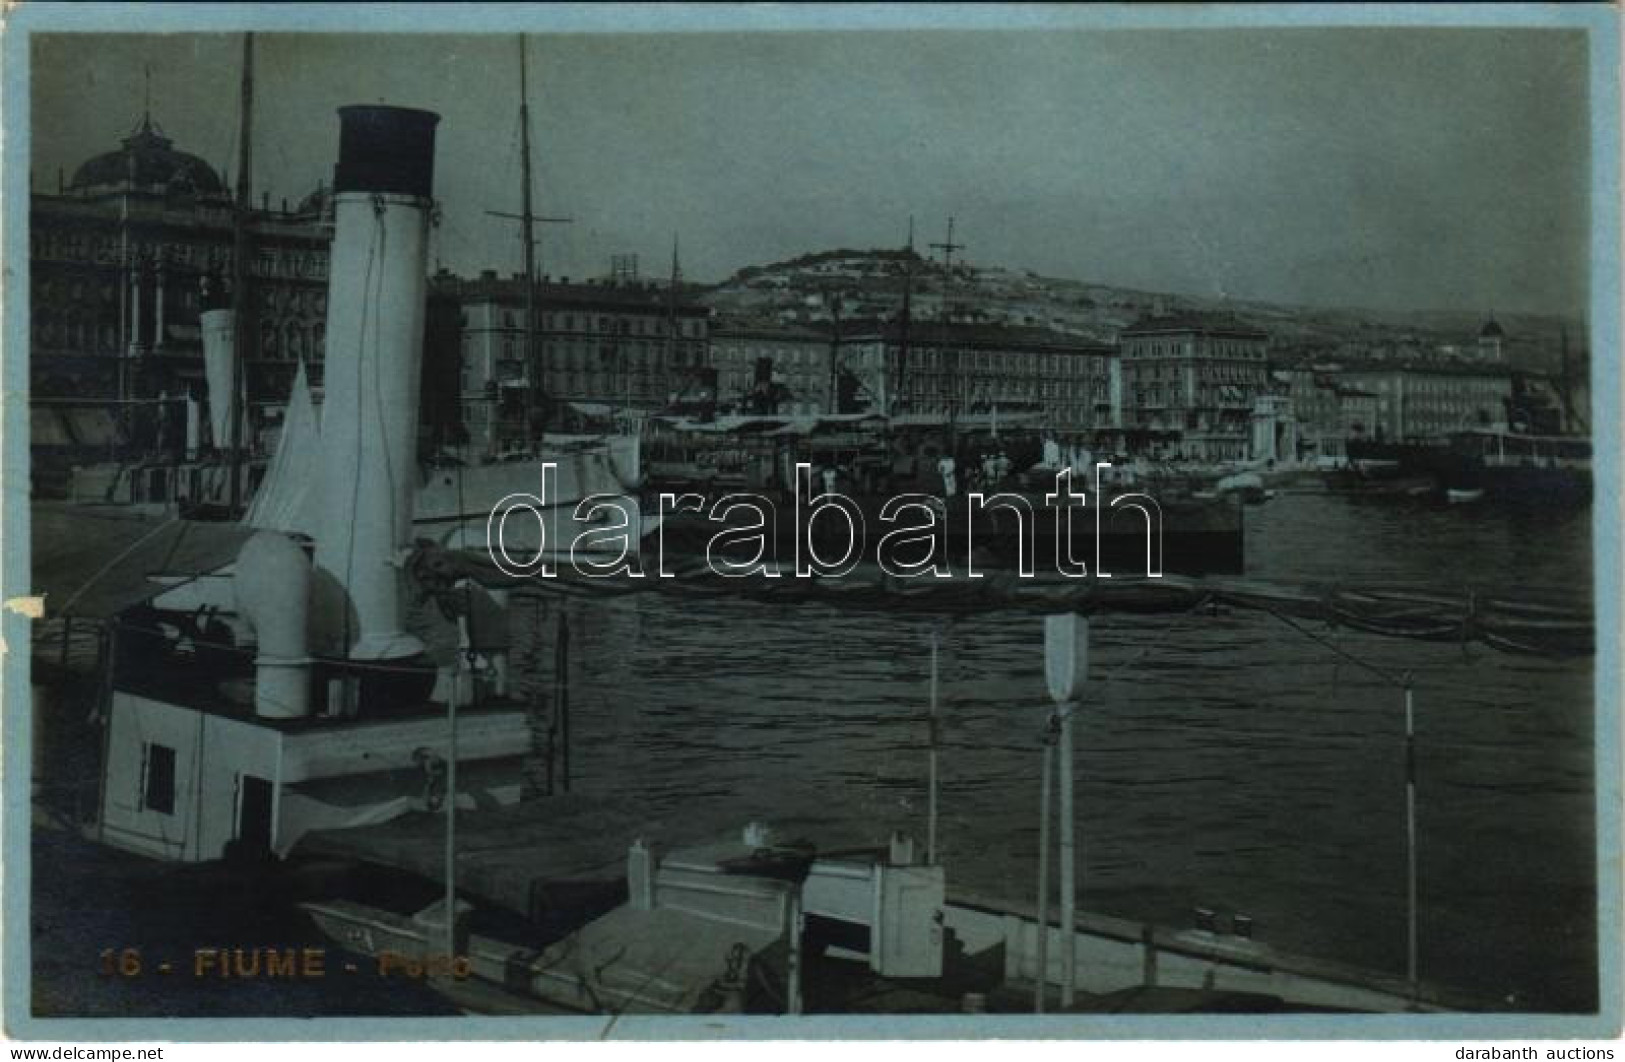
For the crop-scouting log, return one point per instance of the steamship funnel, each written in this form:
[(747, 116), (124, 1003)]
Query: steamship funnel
[(375, 307), (219, 371)]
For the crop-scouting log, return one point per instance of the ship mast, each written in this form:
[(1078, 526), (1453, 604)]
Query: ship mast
[(241, 326), (671, 317), (898, 391), (535, 406), (948, 247), (1571, 418)]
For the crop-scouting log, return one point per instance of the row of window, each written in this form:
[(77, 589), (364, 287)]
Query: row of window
[(1075, 413), (1184, 348), (110, 250), (1440, 425), (1205, 397), (927, 360), (584, 356), (513, 371), (1220, 371), (1478, 386), (637, 325), (1009, 389)]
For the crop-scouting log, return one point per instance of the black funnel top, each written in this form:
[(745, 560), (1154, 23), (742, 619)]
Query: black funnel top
[(385, 149)]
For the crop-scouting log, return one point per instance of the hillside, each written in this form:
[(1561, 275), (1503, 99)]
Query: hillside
[(870, 283)]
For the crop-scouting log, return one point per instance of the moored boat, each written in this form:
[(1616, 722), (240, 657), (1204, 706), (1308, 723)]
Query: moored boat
[(749, 924), (1519, 467)]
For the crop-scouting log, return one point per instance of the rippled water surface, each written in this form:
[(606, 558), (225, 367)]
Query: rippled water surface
[(1224, 761)]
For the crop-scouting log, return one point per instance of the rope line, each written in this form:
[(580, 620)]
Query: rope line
[(1509, 626)]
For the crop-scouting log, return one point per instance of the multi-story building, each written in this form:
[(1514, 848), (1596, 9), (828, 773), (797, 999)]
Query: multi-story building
[(1359, 412), (120, 254), (959, 368), (1190, 382), (796, 356), (933, 368), (631, 345), (1426, 400), (1328, 411)]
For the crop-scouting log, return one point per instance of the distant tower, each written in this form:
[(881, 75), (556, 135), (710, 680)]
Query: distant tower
[(1489, 340)]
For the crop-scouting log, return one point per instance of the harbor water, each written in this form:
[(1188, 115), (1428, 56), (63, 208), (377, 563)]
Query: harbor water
[(1225, 761)]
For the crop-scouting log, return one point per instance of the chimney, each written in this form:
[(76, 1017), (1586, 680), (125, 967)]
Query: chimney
[(219, 368), (382, 188)]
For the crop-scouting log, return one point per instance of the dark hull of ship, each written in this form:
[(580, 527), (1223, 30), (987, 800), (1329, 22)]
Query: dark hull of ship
[(1454, 467), (1526, 485)]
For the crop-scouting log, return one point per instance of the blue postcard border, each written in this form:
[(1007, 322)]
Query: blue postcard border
[(1599, 21)]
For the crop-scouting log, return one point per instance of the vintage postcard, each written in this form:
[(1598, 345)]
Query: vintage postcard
[(826, 522)]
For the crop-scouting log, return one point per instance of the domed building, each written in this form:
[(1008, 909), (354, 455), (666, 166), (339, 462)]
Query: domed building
[(120, 254), (147, 161)]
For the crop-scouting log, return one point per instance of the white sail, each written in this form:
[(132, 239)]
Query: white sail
[(286, 499)]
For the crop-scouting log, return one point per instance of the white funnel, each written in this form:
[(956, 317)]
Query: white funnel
[(220, 371), (375, 307), (272, 585)]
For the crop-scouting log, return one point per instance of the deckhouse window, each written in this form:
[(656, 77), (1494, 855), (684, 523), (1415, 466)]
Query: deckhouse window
[(158, 781)]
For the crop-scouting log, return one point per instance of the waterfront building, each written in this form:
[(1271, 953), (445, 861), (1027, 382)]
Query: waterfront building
[(795, 357), (975, 368), (931, 368), (603, 345), (1358, 409), (1190, 382), (1327, 411), (120, 253), (1426, 400)]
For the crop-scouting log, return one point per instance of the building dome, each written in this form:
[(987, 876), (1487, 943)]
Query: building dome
[(317, 205), (148, 160), (1492, 330)]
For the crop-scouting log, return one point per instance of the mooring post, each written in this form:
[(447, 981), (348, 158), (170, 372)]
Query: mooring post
[(451, 807), (1410, 844), (931, 781), (561, 702), (1069, 863), (1041, 950), (1066, 667), (792, 988)]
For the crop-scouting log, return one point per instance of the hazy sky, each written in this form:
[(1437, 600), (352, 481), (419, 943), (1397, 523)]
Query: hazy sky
[(1394, 168)]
